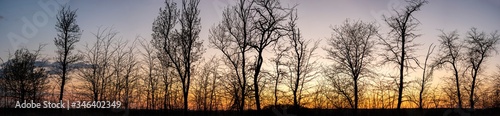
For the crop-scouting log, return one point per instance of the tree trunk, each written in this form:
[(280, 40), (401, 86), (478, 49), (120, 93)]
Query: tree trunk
[(63, 82), (165, 95), (276, 91), (165, 107), (295, 89), (255, 80), (185, 102), (471, 98), (458, 87), (420, 98), (422, 87), (356, 97), (401, 68), (243, 85), (295, 104)]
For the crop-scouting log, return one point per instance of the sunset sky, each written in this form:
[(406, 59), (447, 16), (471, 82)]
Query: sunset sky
[(133, 18)]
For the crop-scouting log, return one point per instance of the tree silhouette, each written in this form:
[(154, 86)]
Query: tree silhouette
[(207, 85), (151, 68), (426, 77), (23, 77), (232, 36), (479, 47), (163, 29), (300, 64), (451, 53), (96, 76), (279, 50), (130, 75), (399, 44), (496, 89), (183, 47), (269, 16), (351, 48), (264, 60), (68, 34), (118, 69)]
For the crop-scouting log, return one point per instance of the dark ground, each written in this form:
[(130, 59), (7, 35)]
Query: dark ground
[(266, 112)]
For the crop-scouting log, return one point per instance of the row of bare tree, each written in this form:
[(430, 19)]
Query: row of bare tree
[(264, 61)]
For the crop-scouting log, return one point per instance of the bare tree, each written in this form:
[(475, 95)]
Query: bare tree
[(205, 91), (163, 29), (130, 75), (118, 66), (97, 56), (426, 77), (450, 53), (300, 65), (384, 93), (24, 77), (340, 89), (190, 45), (183, 47), (124, 64), (152, 80), (108, 68), (232, 36), (69, 34), (268, 25), (167, 77), (280, 51), (436, 97), (399, 44), (318, 96), (496, 89), (351, 48), (479, 47), (214, 99)]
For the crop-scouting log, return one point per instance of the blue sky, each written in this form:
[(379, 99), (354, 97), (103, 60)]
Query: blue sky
[(133, 18)]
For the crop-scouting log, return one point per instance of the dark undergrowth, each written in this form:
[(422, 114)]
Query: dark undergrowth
[(265, 112)]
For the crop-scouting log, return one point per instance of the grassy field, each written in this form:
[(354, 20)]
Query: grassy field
[(267, 112)]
